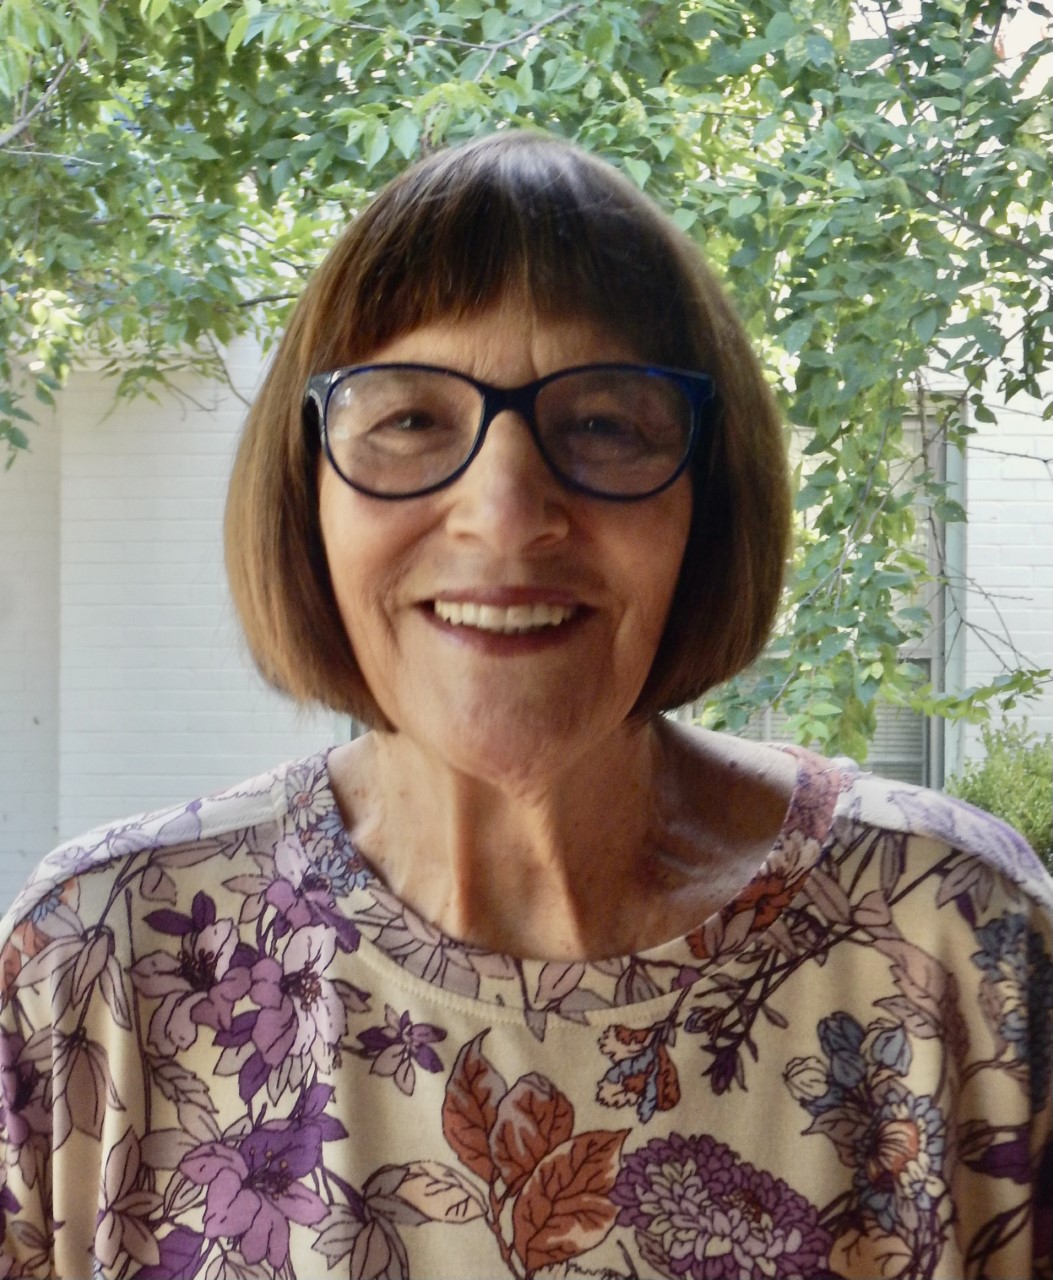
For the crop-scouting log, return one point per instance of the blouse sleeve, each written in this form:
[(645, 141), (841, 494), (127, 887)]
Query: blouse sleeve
[(29, 965)]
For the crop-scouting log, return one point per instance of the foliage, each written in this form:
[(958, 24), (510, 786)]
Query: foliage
[(1014, 781), (870, 180)]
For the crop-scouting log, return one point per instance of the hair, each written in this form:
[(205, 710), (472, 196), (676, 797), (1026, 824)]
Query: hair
[(538, 219)]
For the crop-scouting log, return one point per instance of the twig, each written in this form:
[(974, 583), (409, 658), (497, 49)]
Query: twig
[(982, 632), (1009, 453), (20, 126), (50, 155), (264, 298), (224, 370), (948, 211), (891, 38), (431, 38), (495, 48)]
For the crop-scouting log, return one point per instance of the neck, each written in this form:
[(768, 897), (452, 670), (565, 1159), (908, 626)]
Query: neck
[(519, 865), (602, 857)]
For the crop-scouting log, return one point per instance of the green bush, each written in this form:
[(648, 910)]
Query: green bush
[(1014, 782)]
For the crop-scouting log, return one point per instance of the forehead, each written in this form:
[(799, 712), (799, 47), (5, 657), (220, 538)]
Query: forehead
[(508, 344)]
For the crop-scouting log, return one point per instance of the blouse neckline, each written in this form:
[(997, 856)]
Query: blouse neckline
[(371, 919)]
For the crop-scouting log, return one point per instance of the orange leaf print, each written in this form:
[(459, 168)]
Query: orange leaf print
[(469, 1108), (668, 1081), (565, 1207), (533, 1118)]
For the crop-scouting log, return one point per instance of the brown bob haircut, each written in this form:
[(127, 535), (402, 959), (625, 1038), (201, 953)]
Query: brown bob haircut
[(535, 219)]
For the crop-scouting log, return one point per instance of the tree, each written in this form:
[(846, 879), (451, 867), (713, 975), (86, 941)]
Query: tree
[(872, 180)]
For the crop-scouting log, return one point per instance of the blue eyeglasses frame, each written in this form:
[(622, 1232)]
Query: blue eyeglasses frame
[(698, 388)]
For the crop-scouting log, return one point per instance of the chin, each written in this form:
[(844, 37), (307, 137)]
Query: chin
[(518, 745)]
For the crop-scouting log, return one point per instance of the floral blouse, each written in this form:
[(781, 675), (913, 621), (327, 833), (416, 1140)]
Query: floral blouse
[(227, 1050)]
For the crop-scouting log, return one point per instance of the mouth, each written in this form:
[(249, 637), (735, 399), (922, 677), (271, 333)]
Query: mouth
[(509, 620)]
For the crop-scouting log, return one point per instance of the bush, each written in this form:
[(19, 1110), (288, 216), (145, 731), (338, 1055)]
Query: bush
[(1014, 782)]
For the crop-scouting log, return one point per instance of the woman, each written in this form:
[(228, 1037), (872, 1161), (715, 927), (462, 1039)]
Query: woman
[(529, 980)]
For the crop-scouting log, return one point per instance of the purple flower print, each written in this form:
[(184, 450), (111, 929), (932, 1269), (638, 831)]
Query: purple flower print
[(179, 1254), (254, 1190), (303, 893), (1043, 1206), (310, 1110), (21, 1093), (300, 1009), (700, 1213), (399, 1044), (25, 1115), (200, 985), (8, 1201)]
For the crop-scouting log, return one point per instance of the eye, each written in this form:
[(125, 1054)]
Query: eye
[(603, 427), (601, 435), (409, 432), (408, 422)]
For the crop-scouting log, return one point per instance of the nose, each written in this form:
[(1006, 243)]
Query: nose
[(508, 497)]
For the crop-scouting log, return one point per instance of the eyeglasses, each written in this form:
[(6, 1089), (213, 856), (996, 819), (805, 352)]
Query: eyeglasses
[(618, 431)]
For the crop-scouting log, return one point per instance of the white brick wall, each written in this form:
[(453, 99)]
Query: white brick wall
[(29, 638), (1010, 550), (155, 699)]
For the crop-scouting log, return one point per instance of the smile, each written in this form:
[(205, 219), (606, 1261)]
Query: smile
[(507, 620)]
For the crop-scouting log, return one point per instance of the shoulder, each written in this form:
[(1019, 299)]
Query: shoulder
[(933, 825), (183, 835)]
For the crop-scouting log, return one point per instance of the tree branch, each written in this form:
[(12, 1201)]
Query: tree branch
[(539, 26), (20, 126), (430, 38), (264, 298), (949, 212), (32, 154), (1008, 453)]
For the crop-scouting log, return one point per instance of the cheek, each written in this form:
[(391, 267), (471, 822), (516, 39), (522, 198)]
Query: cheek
[(371, 547), (355, 552), (662, 548), (333, 520)]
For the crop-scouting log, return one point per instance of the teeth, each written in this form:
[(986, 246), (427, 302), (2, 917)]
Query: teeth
[(515, 618)]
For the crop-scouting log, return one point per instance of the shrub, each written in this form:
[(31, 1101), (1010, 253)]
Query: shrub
[(1014, 781)]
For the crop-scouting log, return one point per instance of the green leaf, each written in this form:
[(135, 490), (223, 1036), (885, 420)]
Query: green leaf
[(742, 206), (599, 42), (405, 134), (779, 29), (819, 50), (796, 335), (766, 129), (377, 146), (238, 32), (924, 325), (638, 170)]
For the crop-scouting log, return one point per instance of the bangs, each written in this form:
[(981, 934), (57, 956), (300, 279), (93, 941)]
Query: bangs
[(512, 217)]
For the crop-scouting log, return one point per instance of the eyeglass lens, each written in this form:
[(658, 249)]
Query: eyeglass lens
[(395, 431)]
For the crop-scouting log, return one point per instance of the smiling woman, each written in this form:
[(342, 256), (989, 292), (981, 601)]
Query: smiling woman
[(481, 992)]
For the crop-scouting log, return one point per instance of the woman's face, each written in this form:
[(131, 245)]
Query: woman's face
[(433, 590)]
